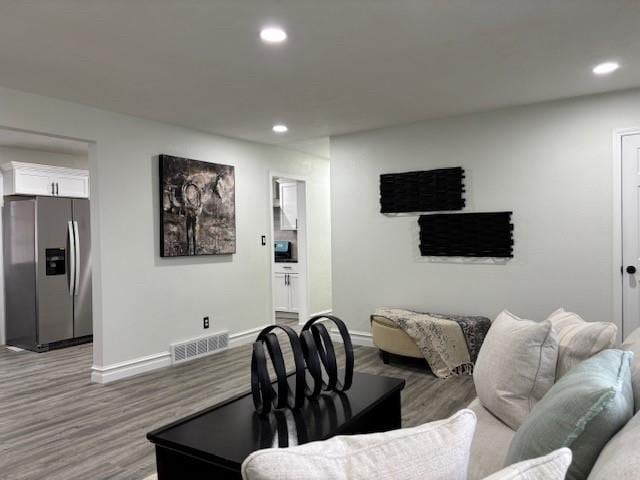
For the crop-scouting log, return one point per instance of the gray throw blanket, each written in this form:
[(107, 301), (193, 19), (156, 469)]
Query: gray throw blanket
[(449, 343), (474, 329)]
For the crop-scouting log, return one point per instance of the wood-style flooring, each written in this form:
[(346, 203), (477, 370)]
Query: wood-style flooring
[(57, 425)]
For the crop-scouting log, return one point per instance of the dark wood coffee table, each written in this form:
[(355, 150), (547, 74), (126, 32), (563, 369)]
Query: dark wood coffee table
[(213, 443)]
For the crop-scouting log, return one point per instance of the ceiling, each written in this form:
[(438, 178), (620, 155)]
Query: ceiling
[(348, 65), (33, 141)]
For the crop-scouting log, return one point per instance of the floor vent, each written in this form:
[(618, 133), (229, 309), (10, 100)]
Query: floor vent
[(199, 347)]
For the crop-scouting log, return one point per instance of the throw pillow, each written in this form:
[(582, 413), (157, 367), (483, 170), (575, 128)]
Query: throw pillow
[(516, 366), (632, 344), (619, 460), (579, 340), (582, 411), (550, 467), (433, 451)]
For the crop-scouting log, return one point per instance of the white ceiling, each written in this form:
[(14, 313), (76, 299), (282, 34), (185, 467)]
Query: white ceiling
[(348, 64), (45, 143)]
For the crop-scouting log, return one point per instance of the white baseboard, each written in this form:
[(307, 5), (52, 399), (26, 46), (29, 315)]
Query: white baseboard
[(363, 339), (129, 368), (322, 312), (245, 337)]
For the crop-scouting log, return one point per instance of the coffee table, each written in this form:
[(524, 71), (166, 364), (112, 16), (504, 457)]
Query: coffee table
[(213, 443)]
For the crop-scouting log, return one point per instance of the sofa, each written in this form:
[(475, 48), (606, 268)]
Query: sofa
[(492, 437), (557, 399)]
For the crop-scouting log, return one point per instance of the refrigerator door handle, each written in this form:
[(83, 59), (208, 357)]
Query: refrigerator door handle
[(72, 259), (76, 238)]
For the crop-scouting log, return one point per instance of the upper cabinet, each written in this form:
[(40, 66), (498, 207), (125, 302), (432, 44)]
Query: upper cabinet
[(45, 180), (288, 206), (74, 183)]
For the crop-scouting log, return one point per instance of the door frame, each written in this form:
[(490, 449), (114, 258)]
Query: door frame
[(304, 310), (618, 136), (3, 336)]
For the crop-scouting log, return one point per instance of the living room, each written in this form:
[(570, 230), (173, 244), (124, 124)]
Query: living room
[(533, 107)]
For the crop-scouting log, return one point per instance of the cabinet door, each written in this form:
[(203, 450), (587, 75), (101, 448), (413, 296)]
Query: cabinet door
[(288, 206), (280, 292), (33, 182), (76, 186), (294, 293)]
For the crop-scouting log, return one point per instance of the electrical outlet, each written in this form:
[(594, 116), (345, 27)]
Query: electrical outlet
[(205, 322)]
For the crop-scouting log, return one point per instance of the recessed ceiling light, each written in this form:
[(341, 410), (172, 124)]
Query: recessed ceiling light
[(273, 35), (606, 68), (280, 128)]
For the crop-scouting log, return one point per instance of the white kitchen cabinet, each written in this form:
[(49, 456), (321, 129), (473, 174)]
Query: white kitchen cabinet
[(72, 185), (280, 292), (30, 182), (288, 206), (44, 180), (285, 292), (294, 303)]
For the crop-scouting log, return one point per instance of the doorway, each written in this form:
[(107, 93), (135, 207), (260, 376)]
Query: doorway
[(45, 238), (288, 252), (628, 151)]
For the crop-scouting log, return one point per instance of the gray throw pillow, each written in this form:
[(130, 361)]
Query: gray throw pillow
[(619, 460), (550, 467), (582, 411), (516, 367), (579, 340), (632, 344)]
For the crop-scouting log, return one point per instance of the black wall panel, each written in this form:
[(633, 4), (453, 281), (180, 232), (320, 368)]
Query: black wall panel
[(466, 235), (428, 191)]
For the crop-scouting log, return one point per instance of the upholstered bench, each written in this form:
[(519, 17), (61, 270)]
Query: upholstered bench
[(391, 339)]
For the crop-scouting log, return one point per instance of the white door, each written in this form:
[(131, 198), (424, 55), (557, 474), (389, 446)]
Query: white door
[(630, 233), (76, 186), (288, 206), (280, 292), (294, 293), (33, 182)]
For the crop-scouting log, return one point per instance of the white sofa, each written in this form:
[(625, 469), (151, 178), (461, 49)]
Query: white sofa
[(428, 450), (619, 460)]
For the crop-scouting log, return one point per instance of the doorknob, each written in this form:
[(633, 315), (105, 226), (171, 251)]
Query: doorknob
[(631, 269)]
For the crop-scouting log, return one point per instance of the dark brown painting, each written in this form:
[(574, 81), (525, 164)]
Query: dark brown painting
[(198, 212)]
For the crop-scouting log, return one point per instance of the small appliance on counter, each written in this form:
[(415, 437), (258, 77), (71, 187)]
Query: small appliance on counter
[(283, 251)]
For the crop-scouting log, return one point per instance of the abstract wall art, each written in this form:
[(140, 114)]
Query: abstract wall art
[(197, 211), (424, 191), (466, 235)]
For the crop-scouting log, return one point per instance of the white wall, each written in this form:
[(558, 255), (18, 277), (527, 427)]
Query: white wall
[(551, 164), (142, 302)]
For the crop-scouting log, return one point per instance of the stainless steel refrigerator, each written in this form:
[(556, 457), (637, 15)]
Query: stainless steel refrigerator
[(47, 268)]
